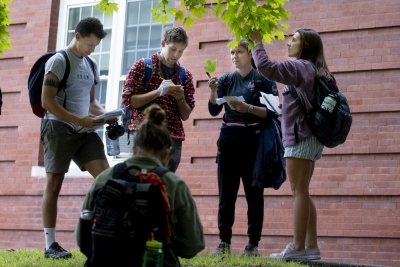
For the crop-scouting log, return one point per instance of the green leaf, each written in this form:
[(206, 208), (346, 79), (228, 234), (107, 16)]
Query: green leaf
[(164, 19), (179, 15), (107, 7), (172, 11), (211, 66), (188, 22), (5, 41), (198, 11)]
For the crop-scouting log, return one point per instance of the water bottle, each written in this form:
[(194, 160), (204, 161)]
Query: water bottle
[(153, 255), (112, 146), (329, 103)]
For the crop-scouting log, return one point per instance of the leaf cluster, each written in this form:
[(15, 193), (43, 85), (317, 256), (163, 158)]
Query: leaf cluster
[(5, 41), (240, 16), (107, 7)]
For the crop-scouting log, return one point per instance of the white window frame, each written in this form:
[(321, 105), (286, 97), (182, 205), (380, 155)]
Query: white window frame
[(118, 27), (115, 76)]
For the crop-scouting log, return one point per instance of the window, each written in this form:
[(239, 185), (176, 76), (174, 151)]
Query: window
[(131, 35)]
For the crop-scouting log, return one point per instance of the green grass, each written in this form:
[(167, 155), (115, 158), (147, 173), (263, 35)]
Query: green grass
[(34, 258)]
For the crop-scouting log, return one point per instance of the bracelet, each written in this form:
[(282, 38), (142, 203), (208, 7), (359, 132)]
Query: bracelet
[(250, 109)]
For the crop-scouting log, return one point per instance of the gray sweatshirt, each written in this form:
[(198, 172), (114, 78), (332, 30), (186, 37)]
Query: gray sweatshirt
[(298, 72)]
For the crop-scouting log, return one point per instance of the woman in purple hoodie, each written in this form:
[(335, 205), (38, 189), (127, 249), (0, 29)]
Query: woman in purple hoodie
[(302, 148)]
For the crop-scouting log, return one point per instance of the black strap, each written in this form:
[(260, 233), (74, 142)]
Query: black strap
[(93, 68), (160, 171), (63, 83), (293, 92)]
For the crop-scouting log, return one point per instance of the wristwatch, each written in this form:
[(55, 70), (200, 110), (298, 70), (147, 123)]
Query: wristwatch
[(250, 109)]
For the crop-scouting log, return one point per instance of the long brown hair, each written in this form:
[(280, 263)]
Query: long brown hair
[(312, 49)]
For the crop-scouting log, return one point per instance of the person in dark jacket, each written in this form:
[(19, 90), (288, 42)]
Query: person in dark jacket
[(302, 148), (237, 145)]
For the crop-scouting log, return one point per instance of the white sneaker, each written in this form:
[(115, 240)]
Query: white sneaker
[(291, 253), (313, 254)]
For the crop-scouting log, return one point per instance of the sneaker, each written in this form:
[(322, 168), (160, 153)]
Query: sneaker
[(223, 248), (313, 254), (251, 251), (290, 253), (55, 251)]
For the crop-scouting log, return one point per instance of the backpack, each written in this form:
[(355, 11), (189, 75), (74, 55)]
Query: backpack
[(126, 212), (330, 128), (36, 76), (129, 114)]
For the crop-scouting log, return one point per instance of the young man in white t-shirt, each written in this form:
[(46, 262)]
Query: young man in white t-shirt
[(68, 128)]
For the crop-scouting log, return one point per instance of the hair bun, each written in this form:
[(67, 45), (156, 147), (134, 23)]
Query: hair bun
[(154, 114)]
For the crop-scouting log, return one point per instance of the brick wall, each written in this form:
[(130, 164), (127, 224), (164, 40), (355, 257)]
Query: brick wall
[(355, 187)]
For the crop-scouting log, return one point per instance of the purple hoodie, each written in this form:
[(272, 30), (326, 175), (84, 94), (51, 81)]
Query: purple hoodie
[(297, 72)]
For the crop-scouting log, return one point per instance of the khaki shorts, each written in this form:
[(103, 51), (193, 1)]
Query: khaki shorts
[(62, 144), (309, 148)]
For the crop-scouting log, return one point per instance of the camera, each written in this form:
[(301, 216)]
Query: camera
[(114, 131)]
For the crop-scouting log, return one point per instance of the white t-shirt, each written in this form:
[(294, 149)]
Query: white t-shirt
[(80, 82)]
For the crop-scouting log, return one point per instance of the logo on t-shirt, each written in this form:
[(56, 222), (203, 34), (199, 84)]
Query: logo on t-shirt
[(82, 76)]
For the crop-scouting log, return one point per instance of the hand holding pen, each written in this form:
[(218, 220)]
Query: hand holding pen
[(212, 82)]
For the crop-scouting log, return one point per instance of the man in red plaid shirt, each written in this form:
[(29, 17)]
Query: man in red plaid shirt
[(177, 101)]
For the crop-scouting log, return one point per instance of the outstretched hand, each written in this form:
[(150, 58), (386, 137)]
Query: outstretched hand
[(255, 37)]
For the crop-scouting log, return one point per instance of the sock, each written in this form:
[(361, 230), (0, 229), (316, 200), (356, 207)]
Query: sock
[(49, 236)]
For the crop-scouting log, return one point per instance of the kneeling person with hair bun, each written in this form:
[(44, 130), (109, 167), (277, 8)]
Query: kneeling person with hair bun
[(152, 149)]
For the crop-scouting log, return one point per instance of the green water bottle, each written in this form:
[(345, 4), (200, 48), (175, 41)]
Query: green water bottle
[(153, 255)]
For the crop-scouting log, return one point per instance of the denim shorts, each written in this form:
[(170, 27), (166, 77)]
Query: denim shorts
[(62, 144), (309, 148)]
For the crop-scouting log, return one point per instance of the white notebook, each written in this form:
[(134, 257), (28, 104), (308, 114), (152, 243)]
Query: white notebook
[(271, 102), (110, 115)]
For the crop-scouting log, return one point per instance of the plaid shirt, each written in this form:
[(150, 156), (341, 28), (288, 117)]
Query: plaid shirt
[(134, 85)]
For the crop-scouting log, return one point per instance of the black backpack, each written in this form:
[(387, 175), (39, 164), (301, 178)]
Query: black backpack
[(36, 76), (330, 128), (125, 213)]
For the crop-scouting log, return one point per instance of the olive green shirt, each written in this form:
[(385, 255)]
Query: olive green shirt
[(187, 231)]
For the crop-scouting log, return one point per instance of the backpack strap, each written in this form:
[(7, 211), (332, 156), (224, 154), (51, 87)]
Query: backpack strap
[(182, 76), (93, 68), (292, 91), (118, 170), (63, 83), (148, 70), (160, 171)]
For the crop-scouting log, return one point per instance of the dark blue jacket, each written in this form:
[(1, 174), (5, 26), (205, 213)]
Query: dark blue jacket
[(269, 168)]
